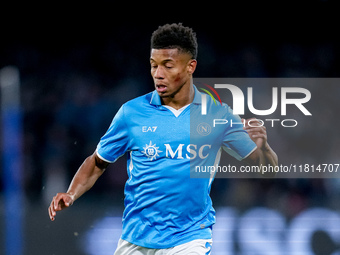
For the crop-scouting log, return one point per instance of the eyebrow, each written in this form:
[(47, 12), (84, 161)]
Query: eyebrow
[(164, 61)]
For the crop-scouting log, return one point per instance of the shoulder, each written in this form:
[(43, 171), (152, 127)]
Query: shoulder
[(214, 107), (138, 102)]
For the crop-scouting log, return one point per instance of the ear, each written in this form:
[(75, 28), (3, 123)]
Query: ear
[(192, 66)]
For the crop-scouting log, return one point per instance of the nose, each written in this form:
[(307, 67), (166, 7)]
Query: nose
[(158, 74)]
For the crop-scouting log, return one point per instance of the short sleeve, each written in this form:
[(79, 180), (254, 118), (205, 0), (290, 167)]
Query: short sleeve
[(115, 141), (236, 141)]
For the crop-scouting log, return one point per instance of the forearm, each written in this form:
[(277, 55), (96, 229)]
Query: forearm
[(268, 157), (86, 176)]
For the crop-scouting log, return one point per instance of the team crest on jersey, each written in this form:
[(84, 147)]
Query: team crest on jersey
[(151, 151), (204, 129)]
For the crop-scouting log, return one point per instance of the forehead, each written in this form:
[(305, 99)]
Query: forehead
[(167, 54)]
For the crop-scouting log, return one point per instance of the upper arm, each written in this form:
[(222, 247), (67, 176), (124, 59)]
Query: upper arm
[(100, 163), (115, 141), (239, 145), (236, 140)]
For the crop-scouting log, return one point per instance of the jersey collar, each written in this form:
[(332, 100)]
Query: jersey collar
[(197, 97), (156, 99)]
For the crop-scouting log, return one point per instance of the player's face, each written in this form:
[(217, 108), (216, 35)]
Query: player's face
[(171, 70)]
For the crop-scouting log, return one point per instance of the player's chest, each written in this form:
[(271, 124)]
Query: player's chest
[(165, 129), (161, 127)]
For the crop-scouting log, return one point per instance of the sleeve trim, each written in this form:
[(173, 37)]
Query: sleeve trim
[(249, 153), (234, 154), (102, 158)]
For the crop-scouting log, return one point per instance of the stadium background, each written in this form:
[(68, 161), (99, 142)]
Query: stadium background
[(78, 67)]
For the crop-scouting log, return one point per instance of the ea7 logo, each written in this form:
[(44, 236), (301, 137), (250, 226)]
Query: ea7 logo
[(149, 129)]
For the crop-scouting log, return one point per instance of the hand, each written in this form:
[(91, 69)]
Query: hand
[(257, 132), (60, 202)]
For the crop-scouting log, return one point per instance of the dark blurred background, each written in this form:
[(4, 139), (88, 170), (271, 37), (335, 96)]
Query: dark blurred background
[(79, 64)]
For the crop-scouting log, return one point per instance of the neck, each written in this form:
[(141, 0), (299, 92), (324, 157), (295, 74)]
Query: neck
[(184, 96)]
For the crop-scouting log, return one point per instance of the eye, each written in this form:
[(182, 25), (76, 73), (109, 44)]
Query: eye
[(168, 66)]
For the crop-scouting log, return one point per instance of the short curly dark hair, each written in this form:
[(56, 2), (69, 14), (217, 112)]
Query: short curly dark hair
[(172, 36)]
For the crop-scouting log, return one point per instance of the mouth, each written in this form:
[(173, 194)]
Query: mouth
[(161, 88)]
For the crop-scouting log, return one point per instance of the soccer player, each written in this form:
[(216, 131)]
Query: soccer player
[(164, 136)]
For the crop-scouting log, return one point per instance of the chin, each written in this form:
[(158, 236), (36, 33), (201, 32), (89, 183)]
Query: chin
[(163, 94)]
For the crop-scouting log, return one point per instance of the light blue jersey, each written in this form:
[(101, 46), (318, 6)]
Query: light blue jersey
[(164, 205)]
